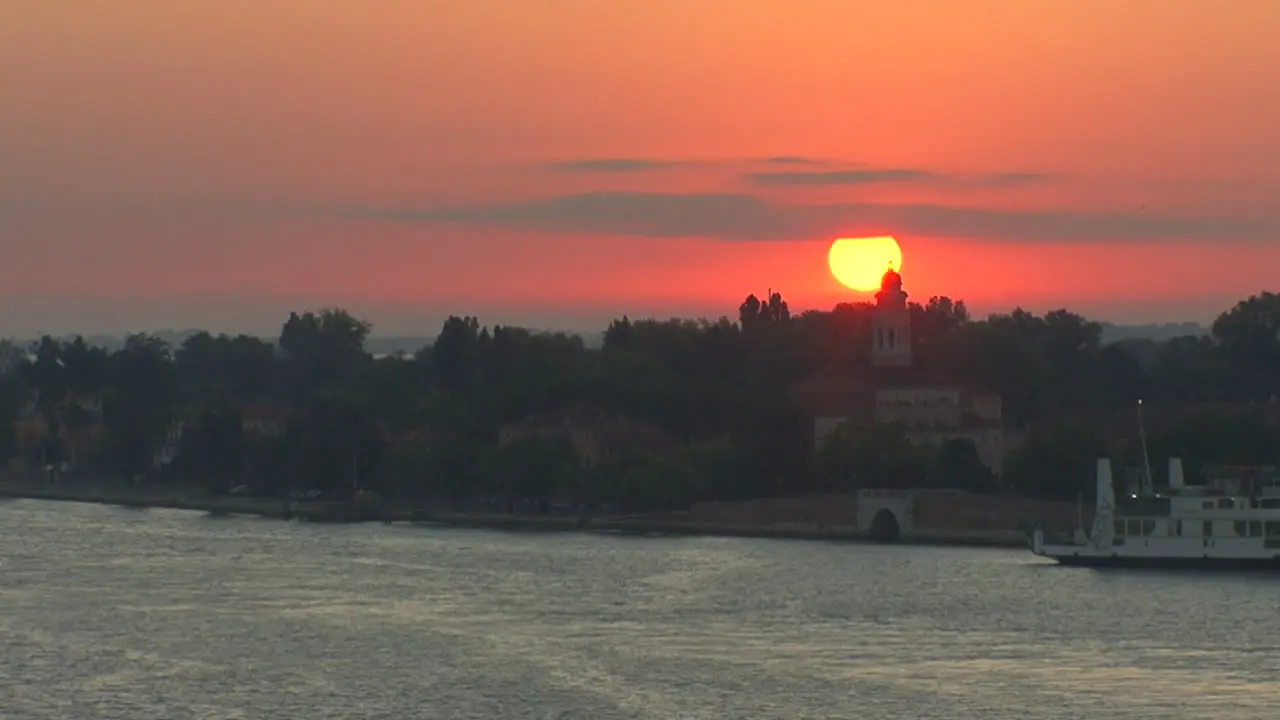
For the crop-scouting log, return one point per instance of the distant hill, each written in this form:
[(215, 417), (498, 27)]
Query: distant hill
[(384, 345), (1159, 332), (115, 342), (412, 344)]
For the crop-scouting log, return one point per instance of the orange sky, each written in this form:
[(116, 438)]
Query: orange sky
[(219, 162)]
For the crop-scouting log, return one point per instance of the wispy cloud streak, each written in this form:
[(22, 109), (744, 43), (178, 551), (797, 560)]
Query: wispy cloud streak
[(746, 217)]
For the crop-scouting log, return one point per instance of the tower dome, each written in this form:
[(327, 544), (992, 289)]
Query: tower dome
[(891, 323), (891, 281), (891, 294)]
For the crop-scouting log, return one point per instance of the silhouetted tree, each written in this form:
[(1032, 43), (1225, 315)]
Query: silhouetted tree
[(874, 456), (960, 466), (1249, 333), (1058, 464), (213, 447), (139, 412), (426, 428), (224, 368), (456, 353), (337, 448), (322, 350)]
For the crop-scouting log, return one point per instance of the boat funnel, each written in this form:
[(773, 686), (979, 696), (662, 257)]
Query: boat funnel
[(1106, 491), (1175, 474), (1103, 530)]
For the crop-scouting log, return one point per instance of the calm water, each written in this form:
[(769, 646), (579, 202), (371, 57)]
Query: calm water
[(124, 614)]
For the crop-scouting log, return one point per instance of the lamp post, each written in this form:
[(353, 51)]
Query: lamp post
[(1146, 461)]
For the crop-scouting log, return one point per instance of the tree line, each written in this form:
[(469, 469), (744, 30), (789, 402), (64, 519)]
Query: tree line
[(427, 427)]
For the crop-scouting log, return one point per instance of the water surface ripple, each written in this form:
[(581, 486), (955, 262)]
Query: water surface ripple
[(117, 614)]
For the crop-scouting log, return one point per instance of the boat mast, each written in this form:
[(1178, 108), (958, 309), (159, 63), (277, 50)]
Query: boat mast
[(1146, 461)]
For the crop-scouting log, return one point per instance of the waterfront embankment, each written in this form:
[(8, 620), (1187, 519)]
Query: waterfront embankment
[(651, 525)]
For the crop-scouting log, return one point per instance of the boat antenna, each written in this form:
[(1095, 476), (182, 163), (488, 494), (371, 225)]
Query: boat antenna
[(1146, 461)]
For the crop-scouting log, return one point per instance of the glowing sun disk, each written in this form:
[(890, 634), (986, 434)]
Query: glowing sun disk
[(860, 263)]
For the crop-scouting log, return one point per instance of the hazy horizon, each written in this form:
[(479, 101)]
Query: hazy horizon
[(256, 316), (205, 164)]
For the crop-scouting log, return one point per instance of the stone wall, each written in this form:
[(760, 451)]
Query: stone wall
[(814, 509), (958, 510), (932, 510)]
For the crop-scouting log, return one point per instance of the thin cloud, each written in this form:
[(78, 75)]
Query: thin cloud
[(1014, 178), (615, 165), (745, 217), (807, 177), (790, 160), (890, 175), (729, 216), (640, 165)]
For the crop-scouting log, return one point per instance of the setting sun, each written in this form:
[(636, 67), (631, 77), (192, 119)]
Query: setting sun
[(860, 263)]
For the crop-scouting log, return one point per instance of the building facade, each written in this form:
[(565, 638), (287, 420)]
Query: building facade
[(265, 421), (890, 391)]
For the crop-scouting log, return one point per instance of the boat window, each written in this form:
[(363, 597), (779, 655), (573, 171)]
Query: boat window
[(1119, 529), (1269, 503), (1179, 527), (1207, 505), (1148, 527), (1135, 527), (1273, 528), (1208, 529), (1226, 503), (1255, 528), (1241, 528), (1171, 526)]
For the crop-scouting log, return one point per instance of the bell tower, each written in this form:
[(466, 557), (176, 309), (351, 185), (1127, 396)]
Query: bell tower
[(891, 324)]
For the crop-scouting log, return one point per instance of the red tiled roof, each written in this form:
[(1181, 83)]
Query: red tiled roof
[(266, 413)]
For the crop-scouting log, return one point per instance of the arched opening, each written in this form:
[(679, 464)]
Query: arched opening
[(884, 527)]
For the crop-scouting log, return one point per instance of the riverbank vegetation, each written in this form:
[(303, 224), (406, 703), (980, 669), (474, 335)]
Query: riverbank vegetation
[(664, 414)]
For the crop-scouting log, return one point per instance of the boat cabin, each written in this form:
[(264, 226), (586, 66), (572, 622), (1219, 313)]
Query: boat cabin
[(1228, 506)]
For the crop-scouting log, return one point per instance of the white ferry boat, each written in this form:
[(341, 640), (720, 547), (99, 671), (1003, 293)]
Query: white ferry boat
[(1227, 523)]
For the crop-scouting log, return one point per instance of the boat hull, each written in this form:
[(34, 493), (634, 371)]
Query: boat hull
[(1167, 563)]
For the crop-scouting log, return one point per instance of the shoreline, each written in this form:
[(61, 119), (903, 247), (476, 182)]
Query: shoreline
[(633, 525)]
